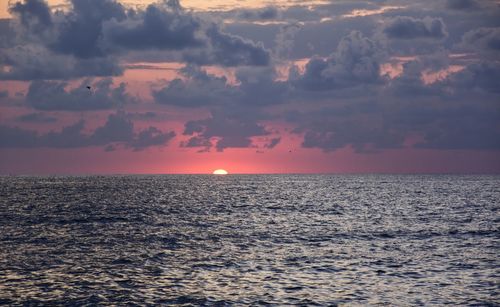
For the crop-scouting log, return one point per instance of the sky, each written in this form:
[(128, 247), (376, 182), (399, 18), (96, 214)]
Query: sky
[(119, 87)]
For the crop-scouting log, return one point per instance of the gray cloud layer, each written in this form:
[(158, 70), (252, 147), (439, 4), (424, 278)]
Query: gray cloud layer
[(117, 130)]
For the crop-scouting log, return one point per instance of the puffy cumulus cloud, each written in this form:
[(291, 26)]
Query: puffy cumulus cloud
[(92, 36), (355, 62), (118, 130), (259, 87), (33, 14), (406, 28), (226, 129), (54, 95), (256, 87), (79, 32), (458, 111), (158, 27), (410, 83), (228, 50)]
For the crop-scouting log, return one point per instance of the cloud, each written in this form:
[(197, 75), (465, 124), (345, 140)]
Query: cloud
[(116, 130), (355, 62), (266, 13), (198, 89), (462, 4), (92, 36), (476, 78), (34, 62), (17, 137), (79, 33), (228, 130), (406, 28), (272, 143), (155, 28), (53, 95), (483, 40), (34, 15), (36, 118), (228, 50), (360, 126), (257, 87), (151, 136), (410, 84), (464, 127)]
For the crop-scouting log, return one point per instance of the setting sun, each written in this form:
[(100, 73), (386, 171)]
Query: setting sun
[(220, 172)]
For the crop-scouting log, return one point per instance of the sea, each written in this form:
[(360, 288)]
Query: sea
[(238, 240)]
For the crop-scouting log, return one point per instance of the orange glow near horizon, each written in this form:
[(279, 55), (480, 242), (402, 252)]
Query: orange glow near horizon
[(220, 172)]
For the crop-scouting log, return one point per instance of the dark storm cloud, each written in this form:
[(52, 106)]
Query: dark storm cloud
[(403, 27), (36, 118), (116, 130), (53, 95)]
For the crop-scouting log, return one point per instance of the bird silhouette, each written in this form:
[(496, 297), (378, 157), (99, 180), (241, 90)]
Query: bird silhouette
[(89, 88)]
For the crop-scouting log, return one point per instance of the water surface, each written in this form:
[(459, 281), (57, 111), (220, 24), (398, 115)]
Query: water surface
[(250, 239)]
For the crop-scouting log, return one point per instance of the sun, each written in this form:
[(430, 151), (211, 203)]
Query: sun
[(220, 172)]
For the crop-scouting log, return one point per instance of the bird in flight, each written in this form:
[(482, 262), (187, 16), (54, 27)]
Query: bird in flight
[(88, 87)]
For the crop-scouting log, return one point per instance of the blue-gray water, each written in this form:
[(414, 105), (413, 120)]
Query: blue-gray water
[(270, 239)]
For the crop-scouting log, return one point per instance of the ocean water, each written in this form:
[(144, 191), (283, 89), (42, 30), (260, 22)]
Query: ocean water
[(250, 240)]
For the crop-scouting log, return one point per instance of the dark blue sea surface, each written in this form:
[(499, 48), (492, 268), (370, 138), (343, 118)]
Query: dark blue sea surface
[(250, 240)]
